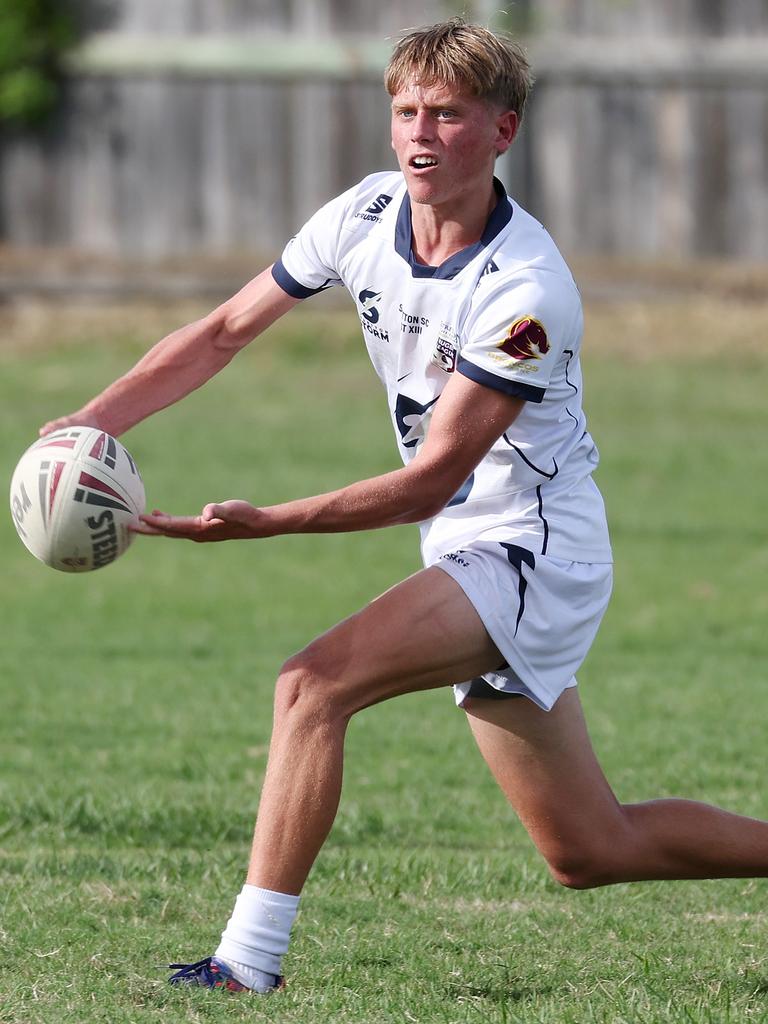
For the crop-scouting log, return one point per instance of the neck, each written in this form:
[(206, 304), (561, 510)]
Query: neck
[(438, 232)]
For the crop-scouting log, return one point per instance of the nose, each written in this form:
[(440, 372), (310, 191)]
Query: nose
[(422, 127)]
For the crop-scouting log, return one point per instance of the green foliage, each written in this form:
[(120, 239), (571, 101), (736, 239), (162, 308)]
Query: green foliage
[(137, 704), (34, 36)]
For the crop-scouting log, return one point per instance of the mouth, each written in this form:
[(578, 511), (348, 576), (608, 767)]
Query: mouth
[(422, 163)]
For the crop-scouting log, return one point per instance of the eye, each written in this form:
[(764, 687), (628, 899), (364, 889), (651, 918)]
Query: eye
[(445, 115)]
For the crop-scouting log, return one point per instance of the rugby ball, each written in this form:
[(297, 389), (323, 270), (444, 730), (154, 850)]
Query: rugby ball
[(73, 495)]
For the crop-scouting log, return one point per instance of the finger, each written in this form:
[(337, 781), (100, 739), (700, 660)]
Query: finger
[(172, 525), (61, 422), (154, 516), (49, 427), (145, 529), (159, 518)]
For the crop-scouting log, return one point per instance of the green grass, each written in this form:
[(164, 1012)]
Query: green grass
[(136, 713)]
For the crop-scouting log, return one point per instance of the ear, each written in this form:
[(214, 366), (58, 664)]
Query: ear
[(506, 127)]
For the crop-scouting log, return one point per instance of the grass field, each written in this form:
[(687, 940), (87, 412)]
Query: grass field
[(136, 702)]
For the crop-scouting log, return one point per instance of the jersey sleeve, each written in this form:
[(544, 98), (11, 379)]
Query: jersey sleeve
[(308, 263), (517, 331)]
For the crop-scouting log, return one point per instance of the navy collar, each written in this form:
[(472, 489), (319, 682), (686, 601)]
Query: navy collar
[(499, 218)]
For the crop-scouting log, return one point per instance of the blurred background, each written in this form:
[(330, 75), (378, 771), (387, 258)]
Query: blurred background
[(154, 155), (141, 137)]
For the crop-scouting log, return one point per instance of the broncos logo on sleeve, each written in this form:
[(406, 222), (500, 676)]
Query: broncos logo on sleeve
[(526, 339)]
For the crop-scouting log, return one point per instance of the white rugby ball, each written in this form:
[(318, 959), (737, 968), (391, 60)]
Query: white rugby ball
[(73, 495)]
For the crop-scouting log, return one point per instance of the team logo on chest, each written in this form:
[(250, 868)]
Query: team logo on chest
[(369, 299)]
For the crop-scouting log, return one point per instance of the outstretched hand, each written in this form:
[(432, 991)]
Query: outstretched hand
[(229, 520), (76, 419)]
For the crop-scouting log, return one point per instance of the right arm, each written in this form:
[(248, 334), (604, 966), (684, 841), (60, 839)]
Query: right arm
[(184, 360)]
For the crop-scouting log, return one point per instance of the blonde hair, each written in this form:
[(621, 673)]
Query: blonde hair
[(456, 54)]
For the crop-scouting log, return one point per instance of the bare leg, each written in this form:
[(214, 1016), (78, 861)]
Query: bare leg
[(421, 634), (545, 765), (425, 633)]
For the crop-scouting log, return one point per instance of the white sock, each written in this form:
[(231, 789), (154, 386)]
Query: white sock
[(257, 935)]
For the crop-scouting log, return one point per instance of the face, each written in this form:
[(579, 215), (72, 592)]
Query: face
[(447, 141)]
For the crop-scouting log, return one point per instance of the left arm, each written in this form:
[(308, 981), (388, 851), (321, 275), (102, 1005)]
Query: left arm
[(467, 420)]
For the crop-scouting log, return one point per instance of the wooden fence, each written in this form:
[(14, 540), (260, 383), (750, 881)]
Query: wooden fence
[(218, 127), (650, 127)]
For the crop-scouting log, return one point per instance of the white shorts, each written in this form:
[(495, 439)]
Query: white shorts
[(541, 612)]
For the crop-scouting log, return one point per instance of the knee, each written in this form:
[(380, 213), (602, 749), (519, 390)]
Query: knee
[(579, 869), (306, 686), (587, 862)]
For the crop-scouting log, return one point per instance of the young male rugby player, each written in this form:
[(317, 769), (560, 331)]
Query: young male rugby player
[(473, 323)]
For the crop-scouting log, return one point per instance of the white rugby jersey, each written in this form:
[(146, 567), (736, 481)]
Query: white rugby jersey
[(504, 312)]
